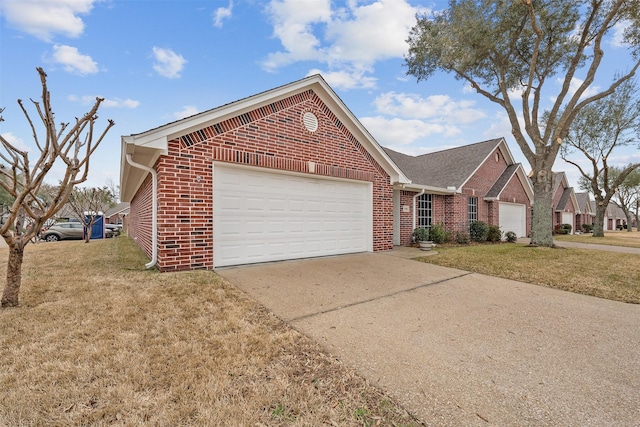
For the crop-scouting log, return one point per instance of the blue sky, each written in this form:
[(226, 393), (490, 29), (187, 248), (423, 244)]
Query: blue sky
[(156, 61)]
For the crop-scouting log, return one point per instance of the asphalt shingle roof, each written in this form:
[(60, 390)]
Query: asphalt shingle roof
[(502, 181), (446, 168)]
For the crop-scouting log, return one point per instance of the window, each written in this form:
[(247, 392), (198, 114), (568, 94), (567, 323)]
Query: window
[(423, 211), (473, 209)]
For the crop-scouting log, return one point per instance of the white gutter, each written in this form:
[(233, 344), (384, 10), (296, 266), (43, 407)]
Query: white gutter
[(154, 210), (414, 206)]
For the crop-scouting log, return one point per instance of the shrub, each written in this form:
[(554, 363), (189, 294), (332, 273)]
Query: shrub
[(511, 237), (462, 238), (587, 228), (478, 231), (438, 235), (563, 229), (494, 234), (421, 234)]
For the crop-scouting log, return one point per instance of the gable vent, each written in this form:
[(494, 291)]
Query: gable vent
[(310, 121)]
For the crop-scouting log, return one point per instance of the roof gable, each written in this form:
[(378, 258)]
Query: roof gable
[(446, 168), (145, 148)]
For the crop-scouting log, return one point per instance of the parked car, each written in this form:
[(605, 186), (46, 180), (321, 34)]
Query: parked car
[(112, 230), (63, 231)]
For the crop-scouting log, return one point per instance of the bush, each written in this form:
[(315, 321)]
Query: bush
[(494, 234), (511, 237), (421, 234), (462, 238), (438, 235), (564, 229), (587, 228), (478, 231)]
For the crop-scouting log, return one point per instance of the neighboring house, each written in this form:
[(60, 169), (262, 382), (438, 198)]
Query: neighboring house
[(284, 174), (477, 182), (291, 173), (613, 216), (117, 214), (585, 214), (564, 203)]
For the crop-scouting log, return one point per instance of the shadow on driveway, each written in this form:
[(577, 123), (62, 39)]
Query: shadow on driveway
[(462, 349)]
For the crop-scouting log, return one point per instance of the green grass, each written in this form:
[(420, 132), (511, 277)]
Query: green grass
[(610, 275)]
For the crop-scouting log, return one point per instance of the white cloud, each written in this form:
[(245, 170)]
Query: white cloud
[(15, 141), (346, 79), (187, 111), (73, 61), (107, 103), (45, 18), (120, 103), (617, 39), (222, 13), (168, 63), (349, 40), (293, 24), (432, 107), (398, 132), (574, 85)]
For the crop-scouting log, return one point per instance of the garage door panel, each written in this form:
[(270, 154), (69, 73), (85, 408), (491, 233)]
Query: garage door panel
[(266, 216), (513, 217)]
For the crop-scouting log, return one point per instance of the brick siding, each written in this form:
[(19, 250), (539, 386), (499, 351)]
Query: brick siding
[(452, 210), (270, 137)]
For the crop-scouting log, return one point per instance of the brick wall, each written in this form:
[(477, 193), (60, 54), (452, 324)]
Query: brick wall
[(452, 210), (271, 137), (140, 217)]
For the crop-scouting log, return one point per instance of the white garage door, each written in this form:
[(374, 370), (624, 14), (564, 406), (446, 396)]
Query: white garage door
[(567, 218), (261, 215), (513, 217)]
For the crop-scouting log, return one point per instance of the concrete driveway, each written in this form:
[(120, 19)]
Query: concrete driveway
[(462, 349)]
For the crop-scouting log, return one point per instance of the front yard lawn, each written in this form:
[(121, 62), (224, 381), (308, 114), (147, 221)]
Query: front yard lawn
[(100, 341), (613, 238), (611, 275)]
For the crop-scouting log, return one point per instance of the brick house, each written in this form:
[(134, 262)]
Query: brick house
[(284, 174), (291, 173), (564, 203), (476, 182), (585, 214)]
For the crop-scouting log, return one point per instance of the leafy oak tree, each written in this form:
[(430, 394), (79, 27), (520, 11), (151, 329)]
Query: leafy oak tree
[(597, 130), (69, 146), (514, 52)]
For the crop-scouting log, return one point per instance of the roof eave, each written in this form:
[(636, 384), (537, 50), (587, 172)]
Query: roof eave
[(427, 188)]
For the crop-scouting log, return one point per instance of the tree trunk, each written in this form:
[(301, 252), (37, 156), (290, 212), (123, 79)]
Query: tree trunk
[(14, 275), (598, 222), (542, 218), (629, 217)]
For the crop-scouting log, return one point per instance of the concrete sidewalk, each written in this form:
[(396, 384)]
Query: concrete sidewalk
[(462, 349), (594, 246)]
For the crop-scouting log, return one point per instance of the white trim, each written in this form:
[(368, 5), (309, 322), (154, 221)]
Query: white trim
[(154, 210)]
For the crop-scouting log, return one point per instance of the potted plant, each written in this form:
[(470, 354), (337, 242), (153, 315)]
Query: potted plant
[(422, 235)]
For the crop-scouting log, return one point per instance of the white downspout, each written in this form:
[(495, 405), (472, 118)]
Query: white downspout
[(414, 206), (154, 210)]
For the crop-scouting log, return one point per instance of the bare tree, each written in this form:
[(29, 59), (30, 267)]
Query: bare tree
[(69, 145), (511, 52), (88, 204), (597, 131)]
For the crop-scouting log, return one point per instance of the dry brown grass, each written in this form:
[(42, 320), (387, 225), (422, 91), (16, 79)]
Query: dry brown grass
[(612, 238), (100, 341), (603, 274)]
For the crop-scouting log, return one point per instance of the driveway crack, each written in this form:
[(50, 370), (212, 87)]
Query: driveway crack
[(353, 304)]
